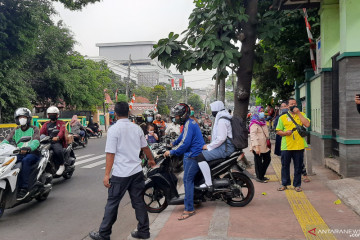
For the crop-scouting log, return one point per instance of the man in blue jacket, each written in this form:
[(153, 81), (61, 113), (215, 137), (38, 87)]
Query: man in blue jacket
[(189, 143)]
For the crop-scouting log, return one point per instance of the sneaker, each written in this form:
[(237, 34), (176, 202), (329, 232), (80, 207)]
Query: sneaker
[(96, 236), (136, 234), (22, 194), (205, 187), (60, 170)]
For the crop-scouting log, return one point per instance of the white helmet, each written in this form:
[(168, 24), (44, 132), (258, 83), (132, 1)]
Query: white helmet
[(52, 109)]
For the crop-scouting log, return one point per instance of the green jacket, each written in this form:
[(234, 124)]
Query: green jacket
[(17, 133)]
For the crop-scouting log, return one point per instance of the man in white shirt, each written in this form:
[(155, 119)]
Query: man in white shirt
[(123, 144), (221, 145)]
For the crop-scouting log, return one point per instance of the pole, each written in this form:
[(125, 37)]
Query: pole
[(105, 115), (186, 97), (128, 79)]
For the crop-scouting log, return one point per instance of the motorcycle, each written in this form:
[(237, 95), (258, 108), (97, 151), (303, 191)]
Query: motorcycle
[(206, 132), (231, 184), (92, 133), (40, 185), (78, 141), (69, 157)]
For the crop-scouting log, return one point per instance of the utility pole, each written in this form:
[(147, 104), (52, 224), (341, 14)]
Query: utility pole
[(128, 78), (105, 113)]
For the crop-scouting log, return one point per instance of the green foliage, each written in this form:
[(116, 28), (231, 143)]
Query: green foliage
[(143, 91), (122, 98), (76, 4), (160, 92), (195, 101)]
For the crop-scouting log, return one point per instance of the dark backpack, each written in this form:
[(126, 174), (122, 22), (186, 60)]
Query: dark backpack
[(239, 132)]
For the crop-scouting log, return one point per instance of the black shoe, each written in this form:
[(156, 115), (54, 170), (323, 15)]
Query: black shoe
[(265, 178), (96, 236), (136, 234), (22, 194)]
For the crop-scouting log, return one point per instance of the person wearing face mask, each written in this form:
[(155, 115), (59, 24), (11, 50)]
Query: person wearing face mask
[(29, 155), (259, 134), (160, 124), (58, 141), (220, 145), (192, 115), (292, 145)]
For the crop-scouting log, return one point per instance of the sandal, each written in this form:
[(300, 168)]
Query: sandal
[(306, 180), (186, 215), (298, 189), (282, 188)]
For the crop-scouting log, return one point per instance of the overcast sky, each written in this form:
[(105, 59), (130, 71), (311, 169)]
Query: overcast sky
[(130, 20)]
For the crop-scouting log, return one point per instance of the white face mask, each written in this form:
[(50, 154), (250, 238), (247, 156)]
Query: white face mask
[(23, 121)]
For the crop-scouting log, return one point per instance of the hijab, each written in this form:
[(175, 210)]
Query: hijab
[(255, 119), (219, 107), (74, 119)]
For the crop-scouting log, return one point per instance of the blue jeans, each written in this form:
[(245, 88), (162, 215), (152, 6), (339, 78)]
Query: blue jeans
[(27, 162), (224, 150), (191, 167), (298, 158)]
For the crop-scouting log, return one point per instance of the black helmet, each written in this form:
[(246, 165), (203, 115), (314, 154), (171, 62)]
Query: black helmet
[(182, 110), (22, 112)]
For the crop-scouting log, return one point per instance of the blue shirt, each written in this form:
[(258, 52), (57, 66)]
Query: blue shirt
[(190, 141)]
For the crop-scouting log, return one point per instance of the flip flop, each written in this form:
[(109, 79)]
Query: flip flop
[(298, 189), (282, 188), (186, 215), (306, 180)]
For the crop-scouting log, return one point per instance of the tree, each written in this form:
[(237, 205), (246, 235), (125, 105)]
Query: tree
[(75, 4), (215, 27), (195, 101), (159, 92)]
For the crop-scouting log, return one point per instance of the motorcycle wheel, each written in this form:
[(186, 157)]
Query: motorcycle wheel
[(2, 202), (99, 135), (68, 175), (42, 197), (154, 198), (247, 190)]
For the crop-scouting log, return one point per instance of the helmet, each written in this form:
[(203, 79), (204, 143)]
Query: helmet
[(148, 112), (182, 110), (158, 116), (22, 112), (52, 109)]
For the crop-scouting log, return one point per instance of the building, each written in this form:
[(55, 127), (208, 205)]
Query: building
[(148, 71), (328, 96)]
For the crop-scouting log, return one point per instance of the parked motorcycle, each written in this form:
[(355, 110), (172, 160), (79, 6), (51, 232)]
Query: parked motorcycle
[(40, 186), (69, 157), (231, 182)]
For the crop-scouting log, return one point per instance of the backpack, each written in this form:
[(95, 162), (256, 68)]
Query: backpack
[(239, 132)]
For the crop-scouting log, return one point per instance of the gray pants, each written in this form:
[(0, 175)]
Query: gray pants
[(135, 184)]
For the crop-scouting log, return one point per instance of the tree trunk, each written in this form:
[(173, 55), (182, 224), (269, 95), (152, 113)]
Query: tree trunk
[(222, 90), (0, 113), (244, 73), (217, 84)]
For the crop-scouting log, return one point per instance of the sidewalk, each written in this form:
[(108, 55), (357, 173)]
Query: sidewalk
[(311, 214)]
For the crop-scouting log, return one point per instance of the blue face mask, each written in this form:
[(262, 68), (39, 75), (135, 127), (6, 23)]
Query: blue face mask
[(150, 119), (261, 115), (173, 119)]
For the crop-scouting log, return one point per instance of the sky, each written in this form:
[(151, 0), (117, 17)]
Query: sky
[(130, 20)]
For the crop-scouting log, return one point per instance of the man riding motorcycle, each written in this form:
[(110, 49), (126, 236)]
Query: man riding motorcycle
[(189, 143), (28, 151), (220, 146), (59, 141), (160, 124)]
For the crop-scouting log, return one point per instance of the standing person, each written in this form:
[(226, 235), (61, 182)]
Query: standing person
[(189, 143), (259, 134), (59, 141), (292, 145), (29, 155), (123, 144), (283, 110)]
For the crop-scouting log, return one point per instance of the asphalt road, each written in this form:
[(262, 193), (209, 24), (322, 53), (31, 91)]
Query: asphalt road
[(74, 207)]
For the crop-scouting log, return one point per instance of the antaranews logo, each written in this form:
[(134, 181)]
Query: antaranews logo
[(312, 231)]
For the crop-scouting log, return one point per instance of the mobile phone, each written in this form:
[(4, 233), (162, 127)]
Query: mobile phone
[(358, 95)]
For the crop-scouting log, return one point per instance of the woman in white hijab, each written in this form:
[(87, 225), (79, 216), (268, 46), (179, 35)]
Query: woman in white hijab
[(220, 146)]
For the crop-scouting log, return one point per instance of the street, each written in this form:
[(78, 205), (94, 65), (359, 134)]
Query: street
[(74, 207)]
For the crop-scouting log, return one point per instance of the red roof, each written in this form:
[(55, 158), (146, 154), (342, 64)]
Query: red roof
[(141, 100)]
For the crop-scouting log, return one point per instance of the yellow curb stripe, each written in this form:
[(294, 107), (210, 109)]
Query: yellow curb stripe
[(272, 178), (304, 211)]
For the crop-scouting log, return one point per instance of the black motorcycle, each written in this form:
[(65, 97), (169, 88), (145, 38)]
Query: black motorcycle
[(78, 141), (69, 157), (206, 132), (231, 183)]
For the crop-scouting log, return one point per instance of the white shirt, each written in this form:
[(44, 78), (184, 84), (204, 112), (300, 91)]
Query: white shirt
[(171, 127), (125, 139)]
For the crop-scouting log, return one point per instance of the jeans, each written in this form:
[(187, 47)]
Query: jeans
[(135, 185), (298, 158), (191, 167), (224, 150), (27, 162)]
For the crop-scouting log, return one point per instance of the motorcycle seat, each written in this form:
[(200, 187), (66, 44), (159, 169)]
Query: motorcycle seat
[(220, 160)]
